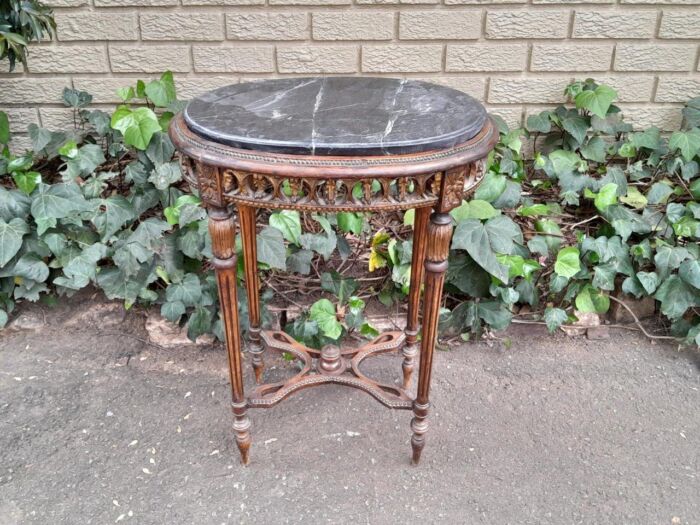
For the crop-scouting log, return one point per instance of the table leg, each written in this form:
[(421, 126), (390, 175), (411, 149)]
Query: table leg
[(438, 240), (246, 216), (410, 350), (223, 236)]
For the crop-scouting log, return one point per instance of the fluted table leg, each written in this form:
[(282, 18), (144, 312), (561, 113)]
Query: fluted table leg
[(438, 247), (223, 236), (246, 216), (410, 350)]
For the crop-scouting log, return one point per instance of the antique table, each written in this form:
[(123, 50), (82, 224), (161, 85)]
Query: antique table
[(304, 144)]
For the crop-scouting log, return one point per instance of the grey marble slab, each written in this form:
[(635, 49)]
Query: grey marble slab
[(336, 116)]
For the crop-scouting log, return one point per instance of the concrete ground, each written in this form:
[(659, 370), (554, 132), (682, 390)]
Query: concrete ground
[(98, 426)]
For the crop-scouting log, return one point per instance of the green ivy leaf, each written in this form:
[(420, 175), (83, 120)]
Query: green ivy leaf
[(597, 101), (323, 312), (338, 285), (118, 212), (568, 262), (554, 318), (689, 271), (474, 209), (540, 122), (577, 126), (31, 266), (350, 222), (300, 261), (165, 175), (137, 126), (368, 331), (4, 129), (57, 201), (162, 92), (173, 311), (188, 291), (26, 181), (472, 236), (676, 297), (271, 249), (590, 300), (687, 142), (11, 234), (289, 223), (199, 323), (649, 281), (491, 187), (607, 196)]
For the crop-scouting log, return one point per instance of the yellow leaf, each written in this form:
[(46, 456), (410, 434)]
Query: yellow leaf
[(380, 238), (376, 260)]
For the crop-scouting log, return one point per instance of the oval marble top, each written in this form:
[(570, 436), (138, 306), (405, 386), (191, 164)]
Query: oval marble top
[(336, 116)]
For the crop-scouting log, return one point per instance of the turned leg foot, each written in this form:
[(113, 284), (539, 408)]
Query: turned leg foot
[(241, 426)]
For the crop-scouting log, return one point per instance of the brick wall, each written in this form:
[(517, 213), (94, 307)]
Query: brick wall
[(514, 55)]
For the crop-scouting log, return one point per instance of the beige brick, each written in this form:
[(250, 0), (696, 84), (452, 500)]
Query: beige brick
[(527, 90), (68, 59), (267, 26), (654, 57), (630, 88), (561, 2), (486, 57), (401, 58), (104, 90), (483, 2), (310, 2), (20, 143), (233, 59), (65, 3), (472, 86), (394, 2), (430, 25), (677, 89), (527, 24), (223, 2), (571, 57), (188, 88), (57, 119), (20, 118), (182, 26), (658, 2), (365, 25), (665, 118), (149, 59), (611, 24), (32, 90), (317, 59), (512, 116), (77, 25), (680, 24), (135, 3)]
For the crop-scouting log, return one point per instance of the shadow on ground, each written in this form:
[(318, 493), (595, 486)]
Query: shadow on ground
[(98, 426)]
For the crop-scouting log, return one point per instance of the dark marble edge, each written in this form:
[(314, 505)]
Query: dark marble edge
[(295, 148)]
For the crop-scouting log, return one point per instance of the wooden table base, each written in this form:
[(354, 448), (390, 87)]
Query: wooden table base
[(432, 183)]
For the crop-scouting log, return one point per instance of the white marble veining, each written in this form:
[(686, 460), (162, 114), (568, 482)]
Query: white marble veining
[(336, 116)]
